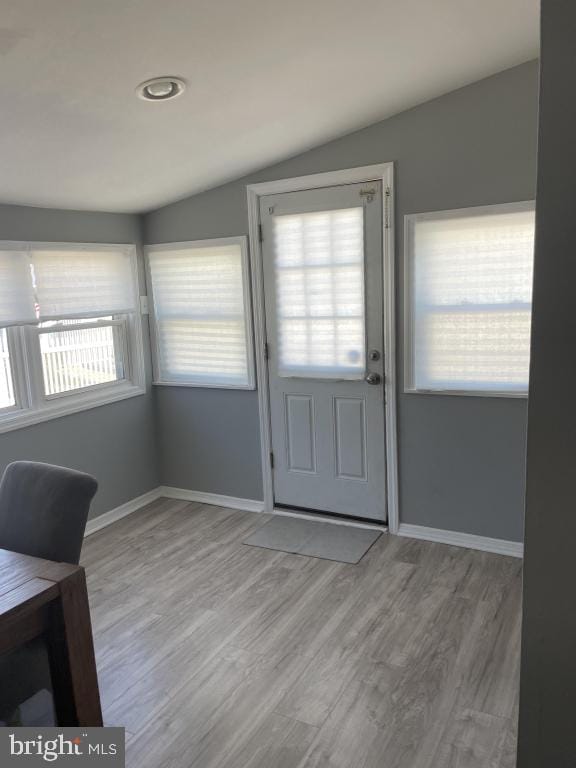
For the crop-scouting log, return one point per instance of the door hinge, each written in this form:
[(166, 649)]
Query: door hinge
[(387, 195), (266, 351), (260, 235), (271, 460)]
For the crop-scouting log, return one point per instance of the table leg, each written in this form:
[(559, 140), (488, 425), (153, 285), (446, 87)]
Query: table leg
[(72, 661)]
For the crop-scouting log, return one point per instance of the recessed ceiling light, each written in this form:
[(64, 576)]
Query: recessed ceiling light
[(161, 88)]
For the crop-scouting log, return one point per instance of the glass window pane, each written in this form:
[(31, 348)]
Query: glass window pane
[(201, 314), (196, 349), (472, 292), (475, 259), (320, 293), (7, 399), (474, 350), (83, 281), (77, 358)]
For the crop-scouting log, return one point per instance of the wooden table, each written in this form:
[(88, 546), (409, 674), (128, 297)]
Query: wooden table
[(48, 599)]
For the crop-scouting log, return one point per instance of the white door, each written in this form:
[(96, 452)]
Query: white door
[(322, 252)]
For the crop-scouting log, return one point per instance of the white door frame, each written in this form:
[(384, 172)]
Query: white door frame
[(383, 172)]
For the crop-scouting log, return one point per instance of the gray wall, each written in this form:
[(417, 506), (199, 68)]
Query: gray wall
[(116, 443), (548, 679), (461, 458)]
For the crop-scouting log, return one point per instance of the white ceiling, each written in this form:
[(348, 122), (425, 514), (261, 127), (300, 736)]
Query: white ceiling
[(267, 79)]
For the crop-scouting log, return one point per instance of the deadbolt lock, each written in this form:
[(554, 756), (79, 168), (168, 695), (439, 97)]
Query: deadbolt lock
[(374, 355)]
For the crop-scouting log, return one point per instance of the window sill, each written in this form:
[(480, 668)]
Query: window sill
[(67, 405), (468, 393)]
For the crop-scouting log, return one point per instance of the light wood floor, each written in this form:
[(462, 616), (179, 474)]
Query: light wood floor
[(212, 653)]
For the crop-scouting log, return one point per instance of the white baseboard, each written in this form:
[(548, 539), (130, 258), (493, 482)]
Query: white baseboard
[(216, 499), (122, 511), (457, 539)]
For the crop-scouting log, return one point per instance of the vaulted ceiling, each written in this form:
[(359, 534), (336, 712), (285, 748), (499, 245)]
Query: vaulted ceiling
[(266, 80)]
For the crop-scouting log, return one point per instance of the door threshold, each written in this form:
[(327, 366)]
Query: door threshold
[(330, 517)]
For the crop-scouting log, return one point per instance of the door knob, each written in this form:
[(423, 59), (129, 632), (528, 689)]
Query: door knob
[(373, 378)]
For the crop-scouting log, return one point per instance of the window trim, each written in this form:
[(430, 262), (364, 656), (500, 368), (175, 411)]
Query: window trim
[(33, 406), (157, 380), (18, 385), (409, 386)]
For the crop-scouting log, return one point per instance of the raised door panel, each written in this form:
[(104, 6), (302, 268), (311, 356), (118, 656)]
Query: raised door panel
[(350, 437), (300, 430)]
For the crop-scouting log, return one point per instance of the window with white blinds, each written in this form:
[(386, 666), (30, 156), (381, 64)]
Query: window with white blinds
[(469, 294), (319, 271), (201, 312), (83, 281), (70, 333)]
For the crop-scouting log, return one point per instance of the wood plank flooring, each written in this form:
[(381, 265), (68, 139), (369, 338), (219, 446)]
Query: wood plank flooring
[(214, 654)]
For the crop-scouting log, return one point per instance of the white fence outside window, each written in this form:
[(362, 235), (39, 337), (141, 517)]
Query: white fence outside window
[(78, 358)]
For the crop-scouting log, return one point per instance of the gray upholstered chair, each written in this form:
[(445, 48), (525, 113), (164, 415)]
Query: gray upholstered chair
[(43, 512)]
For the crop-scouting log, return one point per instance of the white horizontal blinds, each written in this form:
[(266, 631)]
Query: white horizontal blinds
[(320, 293), (83, 281), (472, 300), (200, 310), (16, 290)]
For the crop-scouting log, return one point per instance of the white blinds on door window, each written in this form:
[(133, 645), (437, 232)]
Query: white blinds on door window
[(320, 293), (471, 299), (16, 290), (83, 281), (201, 311)]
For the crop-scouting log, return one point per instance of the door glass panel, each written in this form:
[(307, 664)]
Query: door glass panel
[(319, 269)]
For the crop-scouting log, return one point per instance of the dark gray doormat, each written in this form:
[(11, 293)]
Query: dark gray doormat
[(328, 541)]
